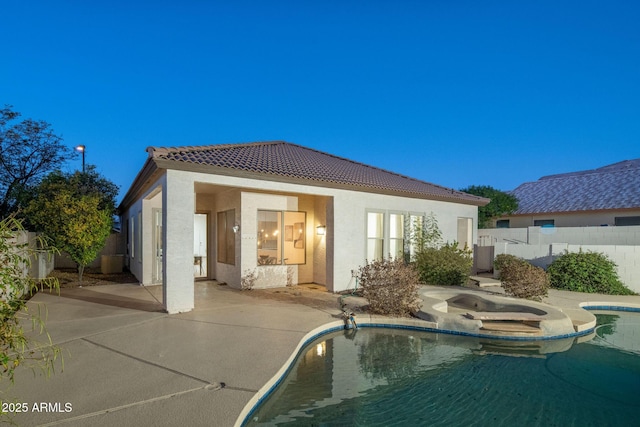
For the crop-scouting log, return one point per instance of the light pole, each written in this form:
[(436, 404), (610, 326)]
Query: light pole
[(82, 149)]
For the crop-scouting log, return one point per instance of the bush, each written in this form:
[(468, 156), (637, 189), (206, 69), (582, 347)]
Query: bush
[(503, 260), (390, 286), (444, 266), (17, 344), (521, 279), (590, 272)]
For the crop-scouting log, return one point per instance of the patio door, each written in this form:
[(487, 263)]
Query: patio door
[(200, 245), (156, 275)]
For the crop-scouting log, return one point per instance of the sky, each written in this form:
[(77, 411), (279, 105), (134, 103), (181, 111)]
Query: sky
[(456, 93)]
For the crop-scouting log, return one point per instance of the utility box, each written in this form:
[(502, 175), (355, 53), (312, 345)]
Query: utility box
[(110, 264)]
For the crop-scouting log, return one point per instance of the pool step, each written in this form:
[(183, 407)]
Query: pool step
[(510, 327)]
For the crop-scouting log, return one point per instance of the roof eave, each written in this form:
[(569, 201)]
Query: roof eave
[(142, 181), (216, 170)]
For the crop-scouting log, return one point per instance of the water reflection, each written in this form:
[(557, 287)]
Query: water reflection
[(388, 377)]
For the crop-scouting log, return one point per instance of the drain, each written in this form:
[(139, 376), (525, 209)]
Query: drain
[(215, 386)]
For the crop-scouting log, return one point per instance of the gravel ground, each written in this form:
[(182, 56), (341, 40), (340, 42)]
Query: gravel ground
[(68, 277)]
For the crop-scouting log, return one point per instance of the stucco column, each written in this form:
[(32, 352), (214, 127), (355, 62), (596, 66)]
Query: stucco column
[(178, 205)]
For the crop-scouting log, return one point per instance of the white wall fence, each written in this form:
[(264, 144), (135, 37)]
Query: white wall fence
[(624, 236), (541, 246), (40, 264), (115, 245)]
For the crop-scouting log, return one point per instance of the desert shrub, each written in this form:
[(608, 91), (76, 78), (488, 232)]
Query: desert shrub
[(591, 272), (443, 266), (521, 279), (503, 260), (390, 286), (248, 280)]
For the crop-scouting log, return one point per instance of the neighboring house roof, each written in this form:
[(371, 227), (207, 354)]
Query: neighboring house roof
[(287, 162), (615, 186)]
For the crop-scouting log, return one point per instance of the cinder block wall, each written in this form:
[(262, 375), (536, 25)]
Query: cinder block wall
[(626, 257)]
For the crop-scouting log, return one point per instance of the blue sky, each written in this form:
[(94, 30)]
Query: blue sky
[(456, 93)]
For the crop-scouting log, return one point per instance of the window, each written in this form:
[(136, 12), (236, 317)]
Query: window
[(396, 236), (502, 223), (131, 238), (226, 237), (281, 237), (135, 229), (543, 223), (627, 220), (269, 238), (414, 231), (375, 236), (294, 237), (138, 237)]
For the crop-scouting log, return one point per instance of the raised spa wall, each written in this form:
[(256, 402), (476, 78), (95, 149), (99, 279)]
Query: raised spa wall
[(454, 310)]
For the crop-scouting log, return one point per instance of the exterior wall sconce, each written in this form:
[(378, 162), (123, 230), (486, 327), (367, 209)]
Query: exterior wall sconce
[(236, 228), (321, 230)]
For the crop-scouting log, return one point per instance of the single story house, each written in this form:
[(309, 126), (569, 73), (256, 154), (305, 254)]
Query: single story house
[(282, 212), (609, 195)]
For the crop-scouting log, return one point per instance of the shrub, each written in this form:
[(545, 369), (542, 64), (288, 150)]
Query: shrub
[(444, 266), (503, 260), (17, 343), (248, 280), (390, 286), (590, 272), (521, 279)]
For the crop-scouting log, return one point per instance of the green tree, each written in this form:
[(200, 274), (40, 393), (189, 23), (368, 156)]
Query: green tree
[(501, 203), (16, 348), (88, 183), (29, 149), (76, 212), (425, 233)]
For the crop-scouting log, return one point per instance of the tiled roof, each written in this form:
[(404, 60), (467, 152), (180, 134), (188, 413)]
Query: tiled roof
[(615, 186), (278, 160)]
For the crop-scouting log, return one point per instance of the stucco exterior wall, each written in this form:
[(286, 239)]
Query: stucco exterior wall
[(330, 259), (228, 273), (574, 219), (350, 210), (142, 207), (178, 199)]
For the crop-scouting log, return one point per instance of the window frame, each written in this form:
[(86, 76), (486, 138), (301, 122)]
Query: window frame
[(382, 239), (226, 237), (291, 235)]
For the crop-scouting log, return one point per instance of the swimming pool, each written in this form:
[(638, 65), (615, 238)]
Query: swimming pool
[(386, 377)]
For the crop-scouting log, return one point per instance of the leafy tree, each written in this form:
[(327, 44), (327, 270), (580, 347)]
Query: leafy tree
[(76, 212), (15, 347), (79, 184), (501, 203), (29, 149), (425, 233)]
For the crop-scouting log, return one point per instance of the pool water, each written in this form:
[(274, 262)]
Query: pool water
[(394, 377)]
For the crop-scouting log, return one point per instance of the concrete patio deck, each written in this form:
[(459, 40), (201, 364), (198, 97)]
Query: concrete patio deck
[(128, 363)]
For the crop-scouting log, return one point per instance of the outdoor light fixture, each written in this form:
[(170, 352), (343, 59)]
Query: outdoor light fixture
[(321, 230), (236, 228), (82, 149)]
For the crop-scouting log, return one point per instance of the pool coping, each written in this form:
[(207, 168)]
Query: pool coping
[(407, 324)]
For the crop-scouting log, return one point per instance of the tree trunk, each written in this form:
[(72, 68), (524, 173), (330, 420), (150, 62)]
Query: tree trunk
[(80, 271)]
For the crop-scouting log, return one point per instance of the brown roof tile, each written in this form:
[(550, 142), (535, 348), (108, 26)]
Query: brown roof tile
[(283, 159)]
